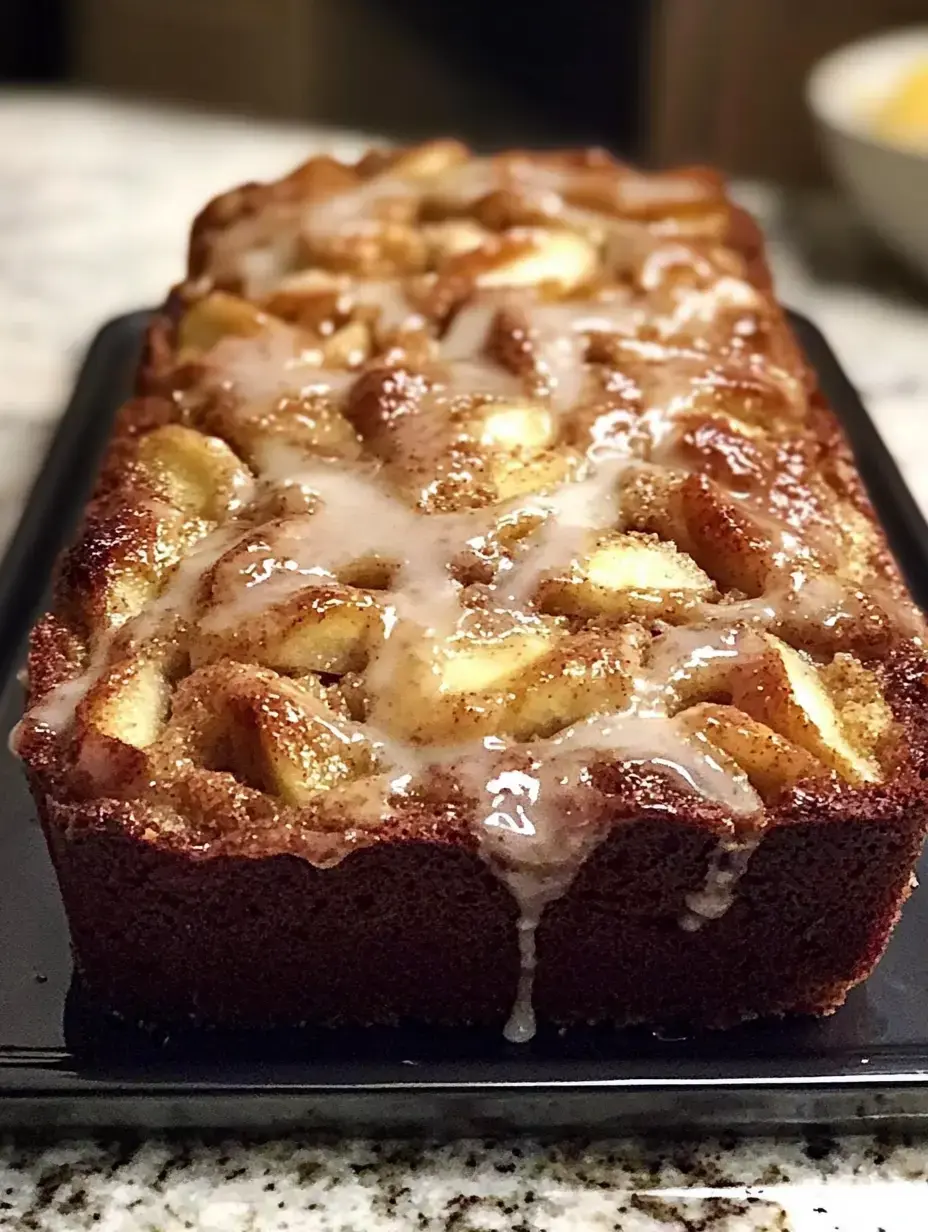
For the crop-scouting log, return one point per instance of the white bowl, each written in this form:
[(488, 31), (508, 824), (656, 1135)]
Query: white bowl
[(887, 181)]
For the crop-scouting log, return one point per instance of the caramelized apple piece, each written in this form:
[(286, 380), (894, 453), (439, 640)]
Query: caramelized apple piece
[(119, 719), (519, 429), (305, 748), (650, 504), (323, 176), (122, 559), (447, 453), (723, 538), (511, 479), (585, 674), (771, 762), (515, 443), (629, 575), (216, 316), (348, 347), (430, 159), (128, 703), (308, 299), (382, 247), (310, 282), (474, 664), (448, 691), (718, 532), (287, 429), (781, 688), (271, 732), (453, 237), (864, 711), (785, 690), (861, 544), (197, 474), (324, 627), (532, 257), (527, 681)]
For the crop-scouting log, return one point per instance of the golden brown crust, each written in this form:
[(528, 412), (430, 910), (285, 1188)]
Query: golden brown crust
[(428, 304)]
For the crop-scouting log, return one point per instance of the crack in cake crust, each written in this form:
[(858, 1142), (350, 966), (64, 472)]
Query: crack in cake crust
[(484, 504)]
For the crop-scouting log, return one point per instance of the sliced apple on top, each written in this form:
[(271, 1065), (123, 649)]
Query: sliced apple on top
[(324, 627), (770, 761), (121, 716), (586, 673), (532, 256), (784, 689), (525, 681), (198, 474), (273, 733), (867, 716), (427, 160), (472, 664), (628, 575), (444, 687), (216, 316), (445, 691), (305, 749), (518, 428), (128, 703)]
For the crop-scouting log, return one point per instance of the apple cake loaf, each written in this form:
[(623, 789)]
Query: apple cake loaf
[(478, 616)]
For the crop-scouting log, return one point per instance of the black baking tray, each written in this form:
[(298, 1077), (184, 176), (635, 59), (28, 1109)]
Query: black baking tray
[(62, 1065)]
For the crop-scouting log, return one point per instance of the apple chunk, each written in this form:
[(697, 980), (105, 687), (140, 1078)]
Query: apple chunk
[(217, 316), (274, 734), (588, 673), (530, 257), (448, 691), (198, 474), (519, 428), (118, 722), (305, 749), (527, 682), (128, 703), (325, 627), (770, 761), (785, 690), (471, 664), (628, 575)]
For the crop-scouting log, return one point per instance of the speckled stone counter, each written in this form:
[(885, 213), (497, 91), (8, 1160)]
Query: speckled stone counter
[(816, 1185), (95, 200)]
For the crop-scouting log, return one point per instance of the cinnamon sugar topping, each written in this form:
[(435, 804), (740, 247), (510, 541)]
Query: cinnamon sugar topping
[(536, 511)]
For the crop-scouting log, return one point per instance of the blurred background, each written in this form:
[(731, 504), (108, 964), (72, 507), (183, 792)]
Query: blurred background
[(668, 80), (120, 118)]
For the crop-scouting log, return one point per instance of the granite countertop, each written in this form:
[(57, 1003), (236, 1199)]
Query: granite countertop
[(95, 200), (290, 1185)]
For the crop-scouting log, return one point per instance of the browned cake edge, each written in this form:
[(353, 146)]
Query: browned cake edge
[(415, 926)]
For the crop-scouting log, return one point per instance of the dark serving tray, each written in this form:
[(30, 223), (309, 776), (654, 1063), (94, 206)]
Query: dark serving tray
[(61, 1065)]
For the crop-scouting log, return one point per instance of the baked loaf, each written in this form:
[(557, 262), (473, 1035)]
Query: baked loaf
[(479, 615)]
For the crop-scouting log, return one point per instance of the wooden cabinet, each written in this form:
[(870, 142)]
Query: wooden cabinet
[(237, 54), (727, 76), (351, 63)]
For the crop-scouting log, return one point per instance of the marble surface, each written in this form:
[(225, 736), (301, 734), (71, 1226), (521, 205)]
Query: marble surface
[(289, 1185), (95, 199)]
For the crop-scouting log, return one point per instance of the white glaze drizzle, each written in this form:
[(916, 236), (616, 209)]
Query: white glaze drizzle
[(522, 821), (728, 863), (561, 331), (356, 519), (394, 309), (356, 208), (570, 514), (55, 710), (273, 365)]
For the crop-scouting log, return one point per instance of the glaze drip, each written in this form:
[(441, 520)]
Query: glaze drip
[(556, 368)]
